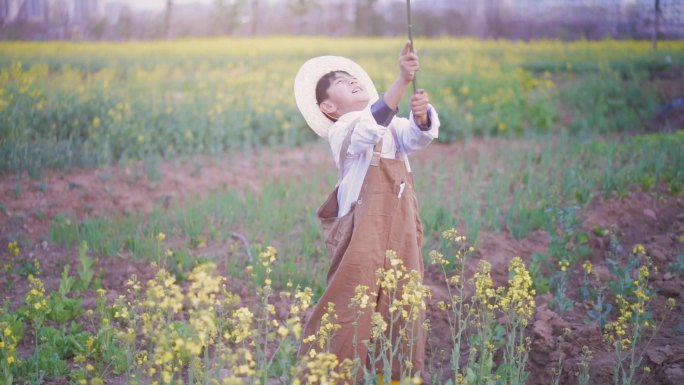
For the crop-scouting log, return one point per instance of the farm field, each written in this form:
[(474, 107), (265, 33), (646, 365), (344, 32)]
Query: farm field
[(157, 211)]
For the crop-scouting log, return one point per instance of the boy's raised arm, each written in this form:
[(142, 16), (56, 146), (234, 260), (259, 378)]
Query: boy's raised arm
[(408, 65)]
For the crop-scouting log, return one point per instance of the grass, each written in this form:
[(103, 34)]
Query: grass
[(508, 188)]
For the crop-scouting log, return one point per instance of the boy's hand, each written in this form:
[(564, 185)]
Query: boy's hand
[(408, 63), (419, 107)]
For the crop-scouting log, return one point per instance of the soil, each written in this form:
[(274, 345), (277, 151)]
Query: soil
[(653, 219)]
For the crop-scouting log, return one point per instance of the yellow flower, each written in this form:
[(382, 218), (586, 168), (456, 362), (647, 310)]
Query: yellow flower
[(483, 282), (268, 256), (35, 300), (13, 249), (243, 324), (502, 127), (437, 258), (588, 267), (166, 377), (519, 297), (638, 249), (670, 303), (361, 297)]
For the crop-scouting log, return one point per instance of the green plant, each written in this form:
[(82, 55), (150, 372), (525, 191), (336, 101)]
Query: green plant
[(26, 268), (36, 310), (557, 371), (396, 336), (11, 334), (567, 246), (517, 304), (677, 266), (63, 230), (453, 270), (634, 320), (600, 310), (85, 269), (583, 366), (478, 320), (538, 265), (592, 292), (485, 340), (62, 308)]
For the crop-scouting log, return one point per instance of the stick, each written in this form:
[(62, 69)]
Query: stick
[(410, 36), (245, 244)]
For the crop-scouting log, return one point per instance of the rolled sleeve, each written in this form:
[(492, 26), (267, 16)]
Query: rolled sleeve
[(433, 123), (382, 113), (412, 137)]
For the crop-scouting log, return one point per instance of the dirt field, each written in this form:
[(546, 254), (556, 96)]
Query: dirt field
[(654, 220)]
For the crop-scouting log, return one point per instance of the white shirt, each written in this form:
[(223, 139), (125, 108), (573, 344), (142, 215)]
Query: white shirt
[(366, 134)]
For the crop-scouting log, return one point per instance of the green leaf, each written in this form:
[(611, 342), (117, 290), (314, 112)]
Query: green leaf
[(470, 376)]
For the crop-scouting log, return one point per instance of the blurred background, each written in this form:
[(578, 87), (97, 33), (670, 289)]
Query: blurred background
[(513, 19)]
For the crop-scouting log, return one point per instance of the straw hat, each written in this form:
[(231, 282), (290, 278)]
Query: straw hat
[(305, 88)]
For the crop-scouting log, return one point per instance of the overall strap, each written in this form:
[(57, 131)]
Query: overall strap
[(398, 152), (377, 149)]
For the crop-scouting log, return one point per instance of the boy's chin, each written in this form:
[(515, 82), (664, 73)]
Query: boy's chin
[(363, 103)]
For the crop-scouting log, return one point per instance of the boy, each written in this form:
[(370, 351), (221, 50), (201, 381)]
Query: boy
[(373, 209)]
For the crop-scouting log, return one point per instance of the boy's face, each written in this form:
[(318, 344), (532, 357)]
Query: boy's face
[(345, 94)]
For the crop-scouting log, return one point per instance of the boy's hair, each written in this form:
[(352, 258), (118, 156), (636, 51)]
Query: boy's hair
[(324, 83)]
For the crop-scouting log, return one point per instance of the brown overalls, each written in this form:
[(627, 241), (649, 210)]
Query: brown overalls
[(383, 218)]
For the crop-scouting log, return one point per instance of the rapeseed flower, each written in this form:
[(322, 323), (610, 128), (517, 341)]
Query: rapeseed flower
[(36, 304), (519, 297), (13, 249)]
